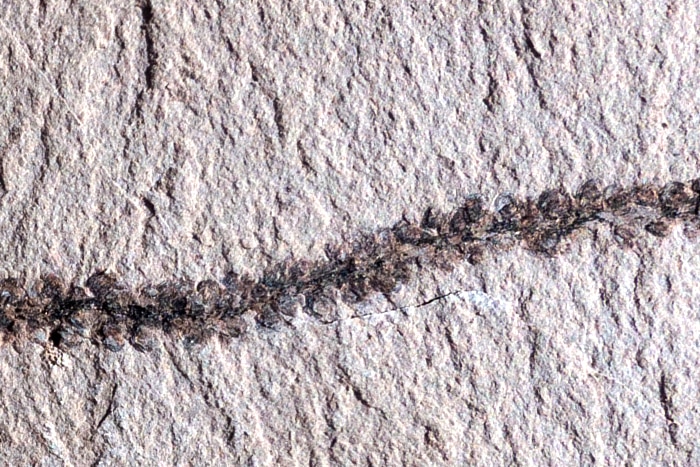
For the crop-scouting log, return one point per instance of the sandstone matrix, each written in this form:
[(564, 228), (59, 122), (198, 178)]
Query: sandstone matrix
[(183, 140)]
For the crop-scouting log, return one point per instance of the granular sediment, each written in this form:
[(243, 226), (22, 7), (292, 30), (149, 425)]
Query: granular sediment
[(108, 312)]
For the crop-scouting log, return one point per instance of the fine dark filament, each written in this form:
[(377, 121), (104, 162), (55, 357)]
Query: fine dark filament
[(108, 312)]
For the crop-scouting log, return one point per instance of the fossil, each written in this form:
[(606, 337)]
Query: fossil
[(109, 313)]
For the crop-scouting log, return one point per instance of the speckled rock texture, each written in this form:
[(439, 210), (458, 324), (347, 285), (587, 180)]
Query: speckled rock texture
[(183, 140)]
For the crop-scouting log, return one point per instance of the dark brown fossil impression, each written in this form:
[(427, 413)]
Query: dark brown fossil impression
[(109, 313)]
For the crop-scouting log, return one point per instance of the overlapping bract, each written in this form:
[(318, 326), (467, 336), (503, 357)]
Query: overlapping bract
[(110, 313)]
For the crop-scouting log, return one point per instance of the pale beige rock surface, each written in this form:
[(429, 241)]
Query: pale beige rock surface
[(183, 139)]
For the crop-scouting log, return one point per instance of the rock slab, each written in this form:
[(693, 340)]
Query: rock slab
[(182, 140)]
